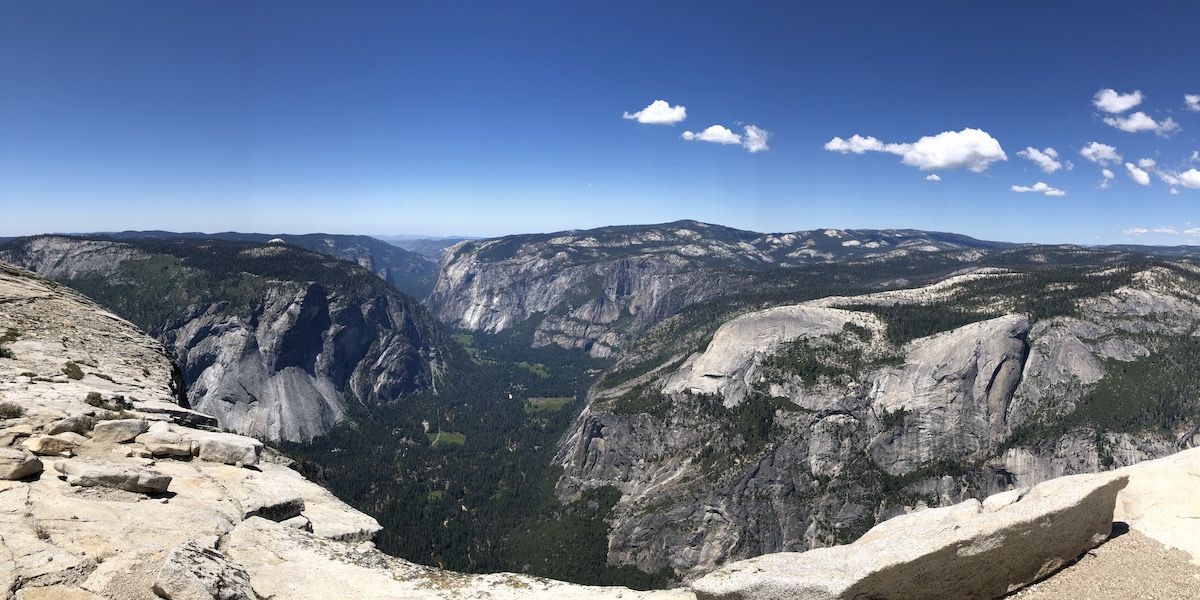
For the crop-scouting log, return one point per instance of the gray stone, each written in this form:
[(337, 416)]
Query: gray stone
[(15, 464), (275, 506), (194, 571), (166, 444), (229, 449), (122, 476), (300, 522), (48, 445), (117, 431), (80, 424)]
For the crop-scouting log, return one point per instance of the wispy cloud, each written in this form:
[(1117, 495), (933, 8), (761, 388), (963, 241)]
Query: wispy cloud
[(1137, 174), (1046, 160), (1192, 102), (1140, 121), (755, 139), (659, 112), (933, 177), (1112, 101), (1039, 188), (752, 138), (972, 149), (1101, 154), (1108, 176), (1136, 231)]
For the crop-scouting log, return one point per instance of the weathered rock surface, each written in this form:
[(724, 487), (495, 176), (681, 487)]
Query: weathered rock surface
[(15, 464), (960, 551), (166, 443), (116, 431), (49, 445), (726, 367), (194, 571), (80, 424), (113, 475)]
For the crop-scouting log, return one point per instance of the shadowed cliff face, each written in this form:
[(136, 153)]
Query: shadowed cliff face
[(802, 426), (599, 289), (271, 340)]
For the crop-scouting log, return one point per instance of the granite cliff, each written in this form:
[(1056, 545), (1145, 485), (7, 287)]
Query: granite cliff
[(803, 426), (273, 340), (597, 289)]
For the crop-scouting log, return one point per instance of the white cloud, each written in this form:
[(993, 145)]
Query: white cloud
[(1192, 231), (1137, 174), (933, 177), (1195, 155), (1140, 121), (1107, 174), (1136, 231), (1146, 163), (856, 144), (1101, 154), (972, 149), (1168, 177), (1111, 101), (1190, 179), (1039, 187), (1166, 230), (660, 112), (716, 134), (1046, 160), (754, 138), (1192, 102)]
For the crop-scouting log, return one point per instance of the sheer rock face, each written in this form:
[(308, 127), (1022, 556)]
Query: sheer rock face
[(597, 289), (280, 366), (117, 520), (930, 426), (280, 373)]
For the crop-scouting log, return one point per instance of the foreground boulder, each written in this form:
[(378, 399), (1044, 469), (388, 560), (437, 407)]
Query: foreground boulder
[(970, 550), (50, 445), (166, 443), (80, 424), (15, 464), (119, 476), (194, 571), (228, 448), (117, 431)]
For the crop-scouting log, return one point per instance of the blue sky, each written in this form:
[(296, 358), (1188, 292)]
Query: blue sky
[(507, 117)]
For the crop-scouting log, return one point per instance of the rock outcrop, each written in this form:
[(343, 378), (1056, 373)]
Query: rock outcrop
[(802, 426), (991, 548), (970, 550), (271, 352), (596, 289)]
